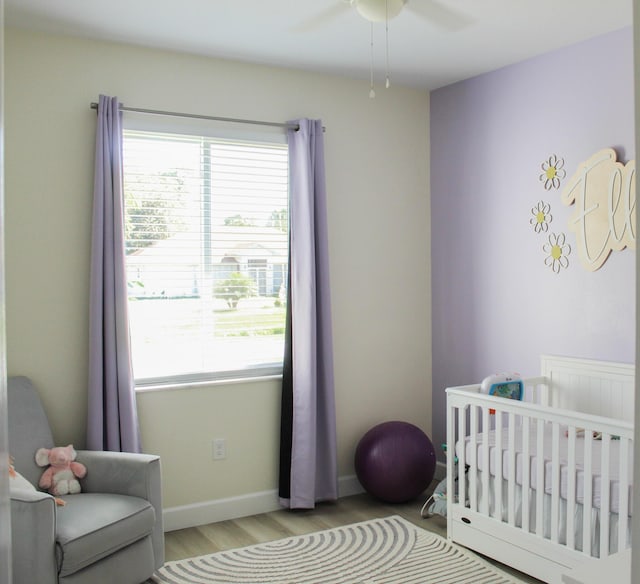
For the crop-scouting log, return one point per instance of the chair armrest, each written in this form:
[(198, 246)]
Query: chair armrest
[(33, 534), (125, 473), (120, 473)]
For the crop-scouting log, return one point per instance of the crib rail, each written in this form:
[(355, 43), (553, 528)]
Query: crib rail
[(557, 467)]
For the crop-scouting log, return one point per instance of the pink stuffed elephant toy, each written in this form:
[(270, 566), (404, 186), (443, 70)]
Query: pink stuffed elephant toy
[(61, 478)]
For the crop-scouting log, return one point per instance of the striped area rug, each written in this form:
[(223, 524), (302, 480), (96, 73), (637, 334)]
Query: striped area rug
[(381, 551)]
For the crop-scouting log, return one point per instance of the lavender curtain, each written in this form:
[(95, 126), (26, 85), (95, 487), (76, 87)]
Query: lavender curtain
[(112, 422), (308, 460)]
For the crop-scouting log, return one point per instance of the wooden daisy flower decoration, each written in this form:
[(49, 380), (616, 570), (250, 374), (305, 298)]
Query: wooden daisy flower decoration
[(541, 216), (552, 172), (557, 251)]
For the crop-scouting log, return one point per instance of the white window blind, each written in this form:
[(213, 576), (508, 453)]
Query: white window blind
[(207, 256)]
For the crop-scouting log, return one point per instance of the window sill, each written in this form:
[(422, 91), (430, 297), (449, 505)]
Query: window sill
[(172, 386)]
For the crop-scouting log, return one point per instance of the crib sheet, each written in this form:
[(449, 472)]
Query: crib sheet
[(613, 461)]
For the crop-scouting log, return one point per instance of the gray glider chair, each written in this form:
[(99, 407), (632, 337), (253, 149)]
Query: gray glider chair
[(111, 533)]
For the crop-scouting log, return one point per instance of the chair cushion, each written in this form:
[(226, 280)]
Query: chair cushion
[(92, 526)]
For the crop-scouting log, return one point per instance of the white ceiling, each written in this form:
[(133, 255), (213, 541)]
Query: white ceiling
[(431, 43)]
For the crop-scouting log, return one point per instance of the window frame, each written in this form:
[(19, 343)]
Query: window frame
[(217, 133)]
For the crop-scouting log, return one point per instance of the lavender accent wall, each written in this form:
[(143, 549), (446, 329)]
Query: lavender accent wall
[(496, 306)]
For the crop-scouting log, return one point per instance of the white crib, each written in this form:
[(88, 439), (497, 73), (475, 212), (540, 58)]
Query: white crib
[(565, 458)]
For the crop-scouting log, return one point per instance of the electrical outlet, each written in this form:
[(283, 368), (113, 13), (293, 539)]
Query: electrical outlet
[(219, 449)]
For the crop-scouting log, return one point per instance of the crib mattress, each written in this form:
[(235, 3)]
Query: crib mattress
[(613, 461)]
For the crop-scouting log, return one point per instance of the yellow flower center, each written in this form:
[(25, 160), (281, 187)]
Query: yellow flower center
[(556, 252), (540, 217), (551, 172)]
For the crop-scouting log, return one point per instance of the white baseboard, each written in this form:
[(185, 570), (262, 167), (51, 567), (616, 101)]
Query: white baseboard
[(349, 485), (233, 507)]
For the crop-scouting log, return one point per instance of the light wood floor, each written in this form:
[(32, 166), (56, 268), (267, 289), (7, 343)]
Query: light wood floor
[(214, 537)]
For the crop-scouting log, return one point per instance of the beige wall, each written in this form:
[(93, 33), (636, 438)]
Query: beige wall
[(5, 508), (635, 526), (377, 176)]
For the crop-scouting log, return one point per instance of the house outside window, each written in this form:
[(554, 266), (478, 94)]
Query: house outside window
[(206, 223)]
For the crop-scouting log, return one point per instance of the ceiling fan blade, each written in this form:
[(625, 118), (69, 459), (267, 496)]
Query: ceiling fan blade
[(440, 14), (325, 17)]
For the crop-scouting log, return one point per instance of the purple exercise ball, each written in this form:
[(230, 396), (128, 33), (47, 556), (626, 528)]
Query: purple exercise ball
[(395, 461)]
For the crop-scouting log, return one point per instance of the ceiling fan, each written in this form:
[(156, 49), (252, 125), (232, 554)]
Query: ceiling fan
[(378, 10), (375, 11), (433, 11)]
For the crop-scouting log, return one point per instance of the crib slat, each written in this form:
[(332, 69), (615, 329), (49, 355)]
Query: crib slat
[(555, 481), (587, 490), (511, 490), (473, 458), (571, 487), (605, 495), (497, 454), (540, 478), (486, 475), (526, 472), (451, 455), (462, 456), (623, 495)]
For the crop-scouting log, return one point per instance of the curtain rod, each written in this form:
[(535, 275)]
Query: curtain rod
[(295, 127)]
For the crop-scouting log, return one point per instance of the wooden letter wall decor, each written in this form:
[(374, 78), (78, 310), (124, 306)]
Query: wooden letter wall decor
[(604, 193)]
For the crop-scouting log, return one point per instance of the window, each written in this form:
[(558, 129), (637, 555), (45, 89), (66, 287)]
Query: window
[(206, 224)]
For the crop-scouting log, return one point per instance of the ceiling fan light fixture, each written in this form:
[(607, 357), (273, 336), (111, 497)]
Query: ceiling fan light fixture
[(379, 10)]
